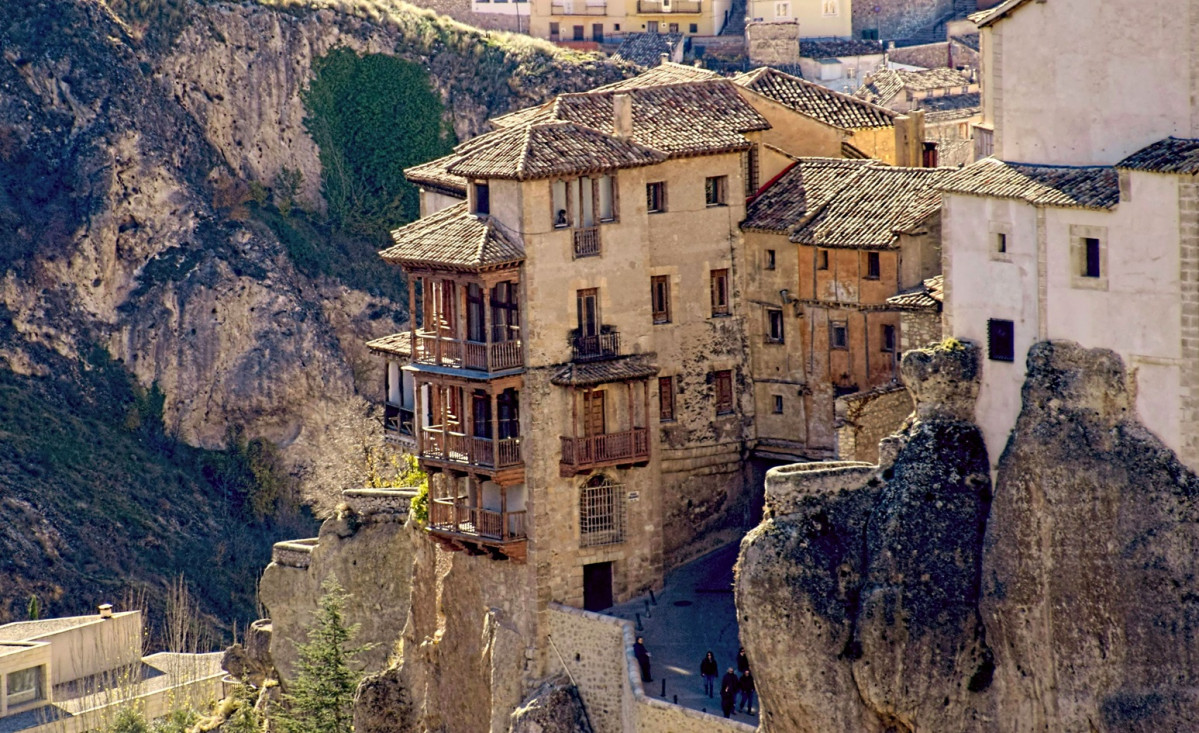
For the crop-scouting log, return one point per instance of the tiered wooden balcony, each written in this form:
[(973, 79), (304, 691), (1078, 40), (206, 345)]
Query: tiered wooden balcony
[(446, 446), (460, 526), (493, 356), (398, 423), (627, 447)]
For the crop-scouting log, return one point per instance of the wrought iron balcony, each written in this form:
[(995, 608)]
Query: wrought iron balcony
[(603, 345), (669, 6), (586, 242)]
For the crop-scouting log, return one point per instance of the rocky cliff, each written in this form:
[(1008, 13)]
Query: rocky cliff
[(138, 158), (904, 597)]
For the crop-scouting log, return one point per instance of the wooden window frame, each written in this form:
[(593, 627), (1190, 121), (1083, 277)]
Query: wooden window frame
[(722, 381), (775, 326), (655, 203), (874, 266), (835, 327), (716, 191), (822, 259), (666, 399), (659, 296), (719, 285)]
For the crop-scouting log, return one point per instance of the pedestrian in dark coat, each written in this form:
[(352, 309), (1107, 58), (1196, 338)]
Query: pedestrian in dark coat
[(708, 670), (742, 661), (642, 655), (728, 692), (747, 692)]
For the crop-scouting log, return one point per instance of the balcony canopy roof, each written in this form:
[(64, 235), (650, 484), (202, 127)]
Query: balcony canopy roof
[(620, 369), (454, 239)]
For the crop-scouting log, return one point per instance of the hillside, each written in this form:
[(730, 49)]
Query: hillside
[(180, 267)]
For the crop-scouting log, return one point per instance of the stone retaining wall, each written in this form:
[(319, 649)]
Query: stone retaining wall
[(294, 553), (379, 505), (598, 653), (786, 486), (865, 418)]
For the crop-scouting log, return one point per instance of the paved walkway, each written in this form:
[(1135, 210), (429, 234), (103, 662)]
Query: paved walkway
[(694, 613)]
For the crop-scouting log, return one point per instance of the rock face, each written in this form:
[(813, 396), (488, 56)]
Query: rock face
[(1091, 577), (554, 707), (903, 597)]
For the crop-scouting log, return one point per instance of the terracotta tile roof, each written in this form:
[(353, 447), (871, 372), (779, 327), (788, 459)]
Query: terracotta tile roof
[(839, 48), (951, 107), (1172, 155), (827, 106), (646, 49), (550, 149), (1000, 11), (929, 296), (453, 238), (883, 86), (527, 116), (434, 175), (849, 152), (804, 187), (661, 75), (1095, 187), (397, 344), (586, 374), (876, 205)]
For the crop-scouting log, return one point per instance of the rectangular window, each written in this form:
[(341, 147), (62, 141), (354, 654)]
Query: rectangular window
[(588, 312), (695, 27), (674, 27), (838, 335), (482, 198), (659, 286), (720, 292), (778, 404), (651, 26), (774, 325), (666, 399), (607, 198), (770, 259), (870, 34), (724, 391), (555, 34), (782, 10), (889, 338), (559, 194), (716, 190), (655, 197), (578, 30), (1001, 340), (597, 32), (1090, 265), (750, 172), (601, 513), (1001, 243), (24, 686), (872, 266), (822, 259)]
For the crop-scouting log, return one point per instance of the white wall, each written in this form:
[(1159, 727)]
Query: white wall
[(1079, 81), (1138, 315)]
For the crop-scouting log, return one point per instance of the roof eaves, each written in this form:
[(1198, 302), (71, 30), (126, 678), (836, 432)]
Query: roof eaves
[(999, 12)]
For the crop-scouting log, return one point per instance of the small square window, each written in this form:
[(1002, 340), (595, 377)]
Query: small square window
[(774, 325), (778, 404), (673, 27), (1090, 265), (873, 267), (616, 26), (770, 260), (666, 399), (655, 197), (1001, 340), (716, 190), (695, 27), (822, 259), (838, 335), (724, 391), (888, 338)]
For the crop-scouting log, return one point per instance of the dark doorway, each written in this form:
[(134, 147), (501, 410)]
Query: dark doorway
[(597, 586)]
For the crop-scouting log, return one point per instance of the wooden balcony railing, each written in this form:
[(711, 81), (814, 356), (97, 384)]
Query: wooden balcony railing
[(398, 421), (599, 346), (443, 445), (669, 6), (629, 445), (442, 351), (455, 515), (586, 242)]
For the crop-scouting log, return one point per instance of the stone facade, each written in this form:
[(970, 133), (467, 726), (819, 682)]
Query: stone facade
[(772, 43), (866, 418), (899, 19)]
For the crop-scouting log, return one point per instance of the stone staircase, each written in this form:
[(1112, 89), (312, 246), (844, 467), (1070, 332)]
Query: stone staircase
[(938, 32), (736, 22)]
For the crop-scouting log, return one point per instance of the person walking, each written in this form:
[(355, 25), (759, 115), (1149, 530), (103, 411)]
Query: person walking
[(728, 692), (708, 670), (742, 661), (747, 692), (642, 655)]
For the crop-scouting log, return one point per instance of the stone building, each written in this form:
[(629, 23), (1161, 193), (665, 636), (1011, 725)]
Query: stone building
[(906, 19), (949, 98), (1084, 224), (834, 240)]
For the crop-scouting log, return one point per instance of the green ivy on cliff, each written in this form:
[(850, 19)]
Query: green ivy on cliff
[(372, 116)]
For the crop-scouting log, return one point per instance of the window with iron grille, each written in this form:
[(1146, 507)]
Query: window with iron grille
[(750, 171), (601, 513), (655, 197), (724, 391)]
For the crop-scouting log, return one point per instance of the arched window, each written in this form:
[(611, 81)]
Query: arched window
[(601, 512)]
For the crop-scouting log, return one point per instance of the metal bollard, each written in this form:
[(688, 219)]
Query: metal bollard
[(651, 596), (639, 626), (663, 687)]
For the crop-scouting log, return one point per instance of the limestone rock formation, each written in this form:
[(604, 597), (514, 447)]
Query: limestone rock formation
[(1091, 570), (554, 707), (858, 593), (904, 597)]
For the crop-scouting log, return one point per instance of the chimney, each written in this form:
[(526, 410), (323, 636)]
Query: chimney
[(105, 610), (663, 58), (909, 139), (622, 115)]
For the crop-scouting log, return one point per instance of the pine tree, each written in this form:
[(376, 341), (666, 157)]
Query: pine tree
[(34, 609), (321, 698)]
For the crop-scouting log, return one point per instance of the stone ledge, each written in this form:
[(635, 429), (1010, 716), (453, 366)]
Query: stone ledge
[(786, 486), (380, 505), (294, 553)]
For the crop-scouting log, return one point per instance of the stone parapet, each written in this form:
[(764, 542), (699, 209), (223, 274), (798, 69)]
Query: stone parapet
[(294, 553), (379, 505), (788, 486)]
